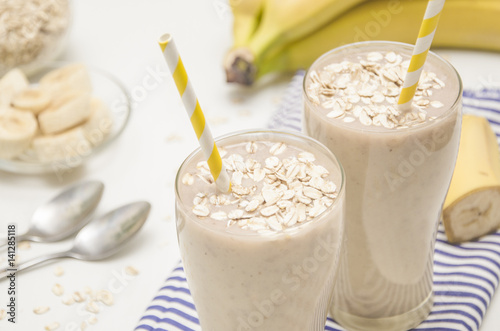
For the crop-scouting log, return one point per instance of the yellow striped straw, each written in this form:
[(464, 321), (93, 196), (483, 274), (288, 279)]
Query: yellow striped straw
[(422, 46), (193, 109)]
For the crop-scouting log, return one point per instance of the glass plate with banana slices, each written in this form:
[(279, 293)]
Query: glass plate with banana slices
[(58, 118)]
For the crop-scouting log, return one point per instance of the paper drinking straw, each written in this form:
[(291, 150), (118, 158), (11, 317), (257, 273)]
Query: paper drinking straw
[(424, 40), (195, 113)]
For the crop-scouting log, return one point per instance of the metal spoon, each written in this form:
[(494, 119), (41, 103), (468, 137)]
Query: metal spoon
[(64, 215), (101, 238)]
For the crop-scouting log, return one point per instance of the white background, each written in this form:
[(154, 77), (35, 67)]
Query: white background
[(120, 36)]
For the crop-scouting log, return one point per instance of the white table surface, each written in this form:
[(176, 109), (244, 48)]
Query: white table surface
[(120, 36)]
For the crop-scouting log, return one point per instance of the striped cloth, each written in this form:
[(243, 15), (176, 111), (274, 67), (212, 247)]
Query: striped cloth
[(465, 276)]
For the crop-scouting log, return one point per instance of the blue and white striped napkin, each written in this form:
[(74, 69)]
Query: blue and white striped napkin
[(465, 276)]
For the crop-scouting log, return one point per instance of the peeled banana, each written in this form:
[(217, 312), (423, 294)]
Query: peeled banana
[(72, 77), (472, 206), (463, 24), (11, 83), (67, 111), (69, 146), (100, 123), (17, 129), (31, 99)]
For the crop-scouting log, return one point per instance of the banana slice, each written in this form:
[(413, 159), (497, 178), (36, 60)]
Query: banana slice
[(472, 206), (68, 147), (100, 123), (69, 110), (11, 83), (73, 77), (17, 129), (32, 99), (475, 215)]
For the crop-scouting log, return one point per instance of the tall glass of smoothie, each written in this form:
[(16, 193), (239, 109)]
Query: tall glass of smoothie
[(265, 256), (398, 167)]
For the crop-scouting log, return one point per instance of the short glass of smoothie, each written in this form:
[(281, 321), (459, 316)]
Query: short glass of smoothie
[(265, 256), (398, 167)]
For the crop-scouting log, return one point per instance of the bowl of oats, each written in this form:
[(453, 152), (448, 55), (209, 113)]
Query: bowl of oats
[(32, 33)]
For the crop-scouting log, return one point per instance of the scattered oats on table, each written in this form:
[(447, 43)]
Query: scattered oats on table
[(52, 326), (91, 295), (92, 319), (58, 290), (79, 297), (41, 310), (68, 300), (174, 138), (58, 271), (24, 245), (218, 120), (244, 113), (132, 271), (92, 307), (105, 297)]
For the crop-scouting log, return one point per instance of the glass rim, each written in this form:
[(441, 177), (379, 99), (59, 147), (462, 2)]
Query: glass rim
[(427, 124), (294, 134)]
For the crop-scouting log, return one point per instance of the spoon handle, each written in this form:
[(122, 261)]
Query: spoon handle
[(4, 272)]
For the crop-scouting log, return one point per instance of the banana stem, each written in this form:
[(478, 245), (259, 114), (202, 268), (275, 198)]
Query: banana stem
[(240, 67)]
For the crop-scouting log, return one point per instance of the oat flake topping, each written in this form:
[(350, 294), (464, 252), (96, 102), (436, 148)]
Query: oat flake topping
[(368, 91), (270, 196)]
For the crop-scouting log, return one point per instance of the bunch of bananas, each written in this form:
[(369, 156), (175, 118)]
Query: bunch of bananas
[(286, 35)]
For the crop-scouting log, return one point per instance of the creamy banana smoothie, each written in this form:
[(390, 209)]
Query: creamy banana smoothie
[(398, 168), (265, 256)]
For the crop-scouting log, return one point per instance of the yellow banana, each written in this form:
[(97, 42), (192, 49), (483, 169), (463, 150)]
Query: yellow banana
[(472, 206), (463, 24), (282, 22), (246, 14), (246, 18)]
